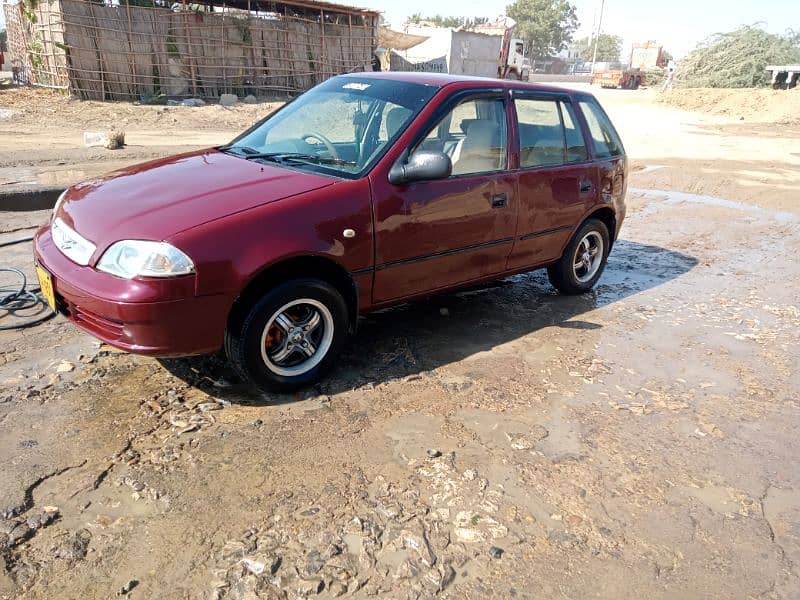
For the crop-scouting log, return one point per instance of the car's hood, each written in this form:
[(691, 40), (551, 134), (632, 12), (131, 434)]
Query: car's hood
[(158, 199)]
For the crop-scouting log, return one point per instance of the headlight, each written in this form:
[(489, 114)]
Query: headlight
[(139, 258), (58, 203)]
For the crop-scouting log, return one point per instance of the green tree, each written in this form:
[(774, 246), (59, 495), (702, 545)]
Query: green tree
[(737, 59), (666, 57), (545, 25), (454, 22), (3, 40), (609, 48)]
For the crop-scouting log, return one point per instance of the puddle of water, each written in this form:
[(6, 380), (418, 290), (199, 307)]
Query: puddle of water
[(716, 498), (562, 440), (412, 434), (781, 502), (392, 558), (673, 198), (498, 429), (519, 493), (106, 508), (354, 543)]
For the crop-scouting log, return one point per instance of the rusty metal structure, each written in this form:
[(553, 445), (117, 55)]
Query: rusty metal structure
[(141, 49)]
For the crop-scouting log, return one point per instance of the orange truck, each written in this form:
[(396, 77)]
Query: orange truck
[(644, 56), (627, 79)]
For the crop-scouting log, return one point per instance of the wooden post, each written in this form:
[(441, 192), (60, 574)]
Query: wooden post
[(51, 55), (291, 73), (131, 59), (322, 51), (350, 39), (100, 62), (191, 58), (63, 68), (224, 56)]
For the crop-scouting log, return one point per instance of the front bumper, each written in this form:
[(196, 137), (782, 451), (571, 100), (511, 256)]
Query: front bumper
[(156, 317)]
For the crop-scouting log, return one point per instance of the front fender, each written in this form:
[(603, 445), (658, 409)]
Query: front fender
[(232, 250)]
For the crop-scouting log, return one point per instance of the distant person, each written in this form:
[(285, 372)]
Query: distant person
[(377, 58), (670, 77)]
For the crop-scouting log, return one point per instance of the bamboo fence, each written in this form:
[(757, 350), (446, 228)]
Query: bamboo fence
[(103, 51)]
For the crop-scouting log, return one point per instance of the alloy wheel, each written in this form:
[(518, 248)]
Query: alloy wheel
[(588, 257), (297, 337)]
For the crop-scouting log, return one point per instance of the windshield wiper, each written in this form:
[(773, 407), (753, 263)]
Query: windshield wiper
[(240, 149), (299, 156)]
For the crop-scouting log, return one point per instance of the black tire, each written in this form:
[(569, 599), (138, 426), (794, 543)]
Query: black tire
[(243, 338), (562, 274)]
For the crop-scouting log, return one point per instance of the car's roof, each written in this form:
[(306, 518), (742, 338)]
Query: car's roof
[(444, 79)]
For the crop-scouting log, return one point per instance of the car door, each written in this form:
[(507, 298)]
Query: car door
[(431, 235), (556, 179), (609, 156)]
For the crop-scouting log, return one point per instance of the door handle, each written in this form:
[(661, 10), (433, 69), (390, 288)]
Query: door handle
[(499, 200), (585, 186)]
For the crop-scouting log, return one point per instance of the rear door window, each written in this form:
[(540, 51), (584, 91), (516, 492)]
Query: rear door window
[(548, 133), (541, 135), (605, 140)]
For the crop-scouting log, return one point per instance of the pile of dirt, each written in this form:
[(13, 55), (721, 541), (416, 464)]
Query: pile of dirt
[(754, 105), (44, 108)]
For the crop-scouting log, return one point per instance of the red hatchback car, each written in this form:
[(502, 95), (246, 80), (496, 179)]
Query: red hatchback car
[(366, 191)]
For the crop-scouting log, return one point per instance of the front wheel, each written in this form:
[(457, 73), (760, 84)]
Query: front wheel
[(289, 337), (582, 263)]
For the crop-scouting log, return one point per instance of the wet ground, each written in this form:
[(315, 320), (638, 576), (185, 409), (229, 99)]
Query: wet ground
[(504, 442)]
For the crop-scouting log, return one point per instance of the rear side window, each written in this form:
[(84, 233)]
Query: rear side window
[(548, 135), (576, 147), (605, 139)]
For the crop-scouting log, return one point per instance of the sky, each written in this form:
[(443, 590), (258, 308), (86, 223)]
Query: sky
[(677, 24)]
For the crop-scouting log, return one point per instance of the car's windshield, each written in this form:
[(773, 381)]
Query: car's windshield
[(341, 127)]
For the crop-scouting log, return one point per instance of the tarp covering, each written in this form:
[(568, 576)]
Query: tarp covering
[(397, 40), (450, 51)]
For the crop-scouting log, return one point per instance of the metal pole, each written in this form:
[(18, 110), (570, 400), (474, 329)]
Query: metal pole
[(597, 37)]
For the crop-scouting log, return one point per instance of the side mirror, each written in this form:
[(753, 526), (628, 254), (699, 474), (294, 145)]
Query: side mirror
[(420, 166)]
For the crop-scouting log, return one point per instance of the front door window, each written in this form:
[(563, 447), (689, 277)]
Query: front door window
[(473, 135)]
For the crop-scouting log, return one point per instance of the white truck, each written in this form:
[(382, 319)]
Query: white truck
[(487, 50), (784, 77)]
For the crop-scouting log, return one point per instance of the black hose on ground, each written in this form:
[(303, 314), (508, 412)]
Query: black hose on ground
[(15, 300), (12, 242)]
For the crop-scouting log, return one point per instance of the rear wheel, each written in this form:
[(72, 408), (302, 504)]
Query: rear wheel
[(290, 337), (584, 260)]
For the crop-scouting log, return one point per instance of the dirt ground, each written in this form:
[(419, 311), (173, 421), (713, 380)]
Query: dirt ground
[(762, 105), (638, 441)]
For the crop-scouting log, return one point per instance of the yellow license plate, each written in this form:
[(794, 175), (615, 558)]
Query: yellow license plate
[(46, 285)]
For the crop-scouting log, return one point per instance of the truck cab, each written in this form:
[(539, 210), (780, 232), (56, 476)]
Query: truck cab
[(513, 63), (517, 60)]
